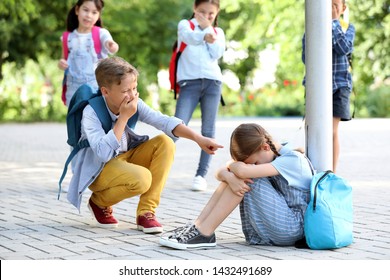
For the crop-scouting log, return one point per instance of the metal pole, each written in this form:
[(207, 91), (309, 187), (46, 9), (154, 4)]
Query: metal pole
[(318, 127)]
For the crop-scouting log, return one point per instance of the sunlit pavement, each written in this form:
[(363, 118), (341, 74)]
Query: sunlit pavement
[(35, 225)]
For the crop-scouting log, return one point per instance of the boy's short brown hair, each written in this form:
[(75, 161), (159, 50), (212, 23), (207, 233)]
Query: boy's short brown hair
[(112, 70)]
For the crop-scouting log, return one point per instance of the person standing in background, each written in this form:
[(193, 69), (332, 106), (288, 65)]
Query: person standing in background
[(199, 75), (80, 55), (343, 35)]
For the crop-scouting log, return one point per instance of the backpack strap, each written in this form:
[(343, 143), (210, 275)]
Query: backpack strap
[(100, 108), (182, 44), (82, 144), (65, 52), (180, 49), (316, 185), (96, 41), (95, 37), (65, 49), (311, 165)]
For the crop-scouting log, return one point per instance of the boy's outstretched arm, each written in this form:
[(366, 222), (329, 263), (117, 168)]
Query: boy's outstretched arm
[(207, 144)]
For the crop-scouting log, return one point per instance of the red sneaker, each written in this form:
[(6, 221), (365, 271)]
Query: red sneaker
[(103, 216), (148, 223)]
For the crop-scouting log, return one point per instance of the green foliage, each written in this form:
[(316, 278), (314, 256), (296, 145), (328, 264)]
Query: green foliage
[(145, 30), (371, 55), (287, 101), (29, 94), (259, 24), (371, 62), (26, 33), (378, 102)]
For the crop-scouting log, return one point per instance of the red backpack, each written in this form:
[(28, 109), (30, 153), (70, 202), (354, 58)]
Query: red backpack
[(176, 53), (98, 49)]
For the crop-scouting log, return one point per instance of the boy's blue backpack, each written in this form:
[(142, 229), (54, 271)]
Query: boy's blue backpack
[(83, 96), (328, 220)]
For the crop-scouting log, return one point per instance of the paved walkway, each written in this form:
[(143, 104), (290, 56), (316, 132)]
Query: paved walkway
[(34, 225)]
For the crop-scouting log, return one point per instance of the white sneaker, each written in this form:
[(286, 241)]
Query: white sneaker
[(199, 184)]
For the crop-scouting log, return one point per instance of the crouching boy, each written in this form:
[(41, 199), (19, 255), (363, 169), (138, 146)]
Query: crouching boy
[(121, 164)]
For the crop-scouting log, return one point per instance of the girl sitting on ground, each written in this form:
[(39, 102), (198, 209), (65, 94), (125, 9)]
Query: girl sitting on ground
[(270, 182)]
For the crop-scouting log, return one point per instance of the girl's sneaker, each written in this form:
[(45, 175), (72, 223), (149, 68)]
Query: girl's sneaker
[(191, 238), (175, 233), (199, 184)]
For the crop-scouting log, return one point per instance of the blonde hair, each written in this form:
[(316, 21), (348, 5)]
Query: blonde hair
[(112, 70), (247, 139)]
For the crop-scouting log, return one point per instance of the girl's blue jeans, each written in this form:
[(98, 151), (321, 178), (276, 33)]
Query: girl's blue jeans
[(208, 94)]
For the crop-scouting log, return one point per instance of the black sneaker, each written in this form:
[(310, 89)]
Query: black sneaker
[(191, 238), (174, 233)]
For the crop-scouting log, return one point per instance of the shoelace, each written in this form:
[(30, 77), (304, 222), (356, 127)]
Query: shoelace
[(188, 234), (176, 233), (149, 216), (107, 212)]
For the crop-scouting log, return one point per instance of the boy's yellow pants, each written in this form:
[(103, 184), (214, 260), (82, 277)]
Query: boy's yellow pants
[(140, 171)]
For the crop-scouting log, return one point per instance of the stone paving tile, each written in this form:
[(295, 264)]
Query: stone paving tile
[(35, 225)]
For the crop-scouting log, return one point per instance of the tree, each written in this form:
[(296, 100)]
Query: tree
[(26, 33), (371, 55), (146, 30), (258, 24)]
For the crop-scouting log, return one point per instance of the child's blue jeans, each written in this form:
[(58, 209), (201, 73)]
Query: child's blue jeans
[(208, 94)]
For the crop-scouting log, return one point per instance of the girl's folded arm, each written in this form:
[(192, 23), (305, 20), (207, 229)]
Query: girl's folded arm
[(244, 171)]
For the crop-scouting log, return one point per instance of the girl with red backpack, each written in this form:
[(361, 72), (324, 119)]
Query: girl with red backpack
[(199, 75)]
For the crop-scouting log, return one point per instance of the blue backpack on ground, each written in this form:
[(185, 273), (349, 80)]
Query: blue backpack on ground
[(328, 221), (83, 96)]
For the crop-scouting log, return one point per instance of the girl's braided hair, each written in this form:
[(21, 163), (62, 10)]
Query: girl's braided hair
[(247, 139)]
